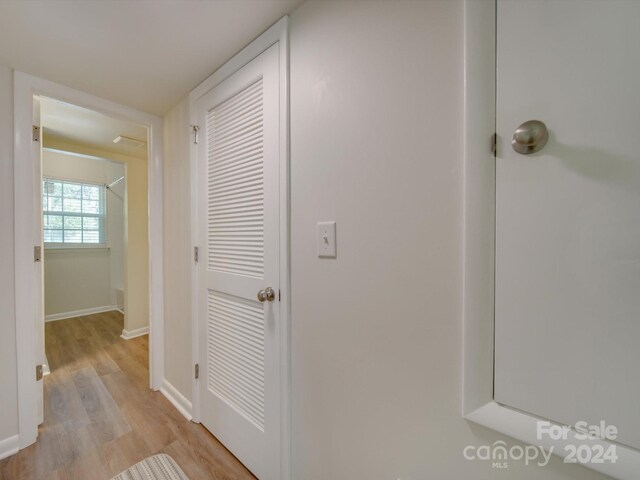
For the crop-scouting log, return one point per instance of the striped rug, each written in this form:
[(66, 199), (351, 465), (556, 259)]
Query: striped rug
[(157, 467)]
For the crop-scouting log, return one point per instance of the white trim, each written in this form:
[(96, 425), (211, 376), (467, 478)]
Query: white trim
[(523, 427), (193, 179), (78, 247), (138, 332), (25, 217), (278, 33), (177, 399), (79, 313), (478, 263), (479, 202), (76, 181), (9, 446), (282, 30)]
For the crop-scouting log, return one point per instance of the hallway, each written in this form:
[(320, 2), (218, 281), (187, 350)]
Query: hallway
[(100, 417)]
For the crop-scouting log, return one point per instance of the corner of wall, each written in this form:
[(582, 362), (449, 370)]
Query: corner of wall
[(177, 248)]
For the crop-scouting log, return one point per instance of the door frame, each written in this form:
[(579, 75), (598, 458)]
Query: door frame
[(26, 236), (479, 186), (278, 33)]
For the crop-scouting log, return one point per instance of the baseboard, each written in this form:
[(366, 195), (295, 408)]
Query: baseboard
[(177, 399), (138, 332), (9, 446), (79, 313)]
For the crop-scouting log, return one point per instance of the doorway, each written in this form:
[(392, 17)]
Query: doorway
[(95, 226), (30, 142), (241, 270)]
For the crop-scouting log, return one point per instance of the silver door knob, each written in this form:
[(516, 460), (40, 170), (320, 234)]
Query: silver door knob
[(530, 137), (266, 295)]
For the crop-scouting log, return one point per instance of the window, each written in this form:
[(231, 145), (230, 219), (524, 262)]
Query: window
[(74, 213)]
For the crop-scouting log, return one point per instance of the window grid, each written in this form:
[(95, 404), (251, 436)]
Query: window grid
[(74, 212)]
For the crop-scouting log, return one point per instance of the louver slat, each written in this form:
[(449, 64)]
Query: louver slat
[(235, 184), (235, 344)]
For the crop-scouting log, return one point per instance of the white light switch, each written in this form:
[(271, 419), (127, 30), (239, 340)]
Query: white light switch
[(327, 239)]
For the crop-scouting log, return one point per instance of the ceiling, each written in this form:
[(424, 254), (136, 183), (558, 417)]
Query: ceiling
[(146, 54), (86, 127)]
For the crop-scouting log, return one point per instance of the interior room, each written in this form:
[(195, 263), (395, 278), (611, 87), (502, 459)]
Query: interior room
[(94, 223), (319, 239)]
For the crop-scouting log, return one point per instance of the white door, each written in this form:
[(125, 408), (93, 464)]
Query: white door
[(40, 360), (568, 217), (238, 155)]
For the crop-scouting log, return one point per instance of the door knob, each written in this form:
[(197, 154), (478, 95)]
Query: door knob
[(530, 137), (266, 295)]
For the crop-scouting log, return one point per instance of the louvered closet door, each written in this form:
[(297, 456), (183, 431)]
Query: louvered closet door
[(238, 231)]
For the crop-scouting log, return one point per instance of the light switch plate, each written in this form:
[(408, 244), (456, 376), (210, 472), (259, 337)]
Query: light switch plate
[(326, 239)]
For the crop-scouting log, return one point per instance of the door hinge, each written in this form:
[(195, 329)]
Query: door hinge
[(195, 254), (279, 295), (494, 142), (197, 371), (194, 130), (35, 133), (37, 253), (38, 373)]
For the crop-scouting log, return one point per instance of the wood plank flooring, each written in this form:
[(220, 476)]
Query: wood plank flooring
[(100, 417)]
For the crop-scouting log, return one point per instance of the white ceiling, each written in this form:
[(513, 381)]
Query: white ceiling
[(145, 54), (87, 127)]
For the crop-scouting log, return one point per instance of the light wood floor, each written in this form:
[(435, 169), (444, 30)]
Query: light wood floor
[(100, 417)]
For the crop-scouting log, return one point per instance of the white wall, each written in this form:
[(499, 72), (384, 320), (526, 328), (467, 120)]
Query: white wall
[(376, 144), (64, 165), (76, 279), (177, 249), (81, 278), (8, 380), (115, 228), (136, 253), (136, 281)]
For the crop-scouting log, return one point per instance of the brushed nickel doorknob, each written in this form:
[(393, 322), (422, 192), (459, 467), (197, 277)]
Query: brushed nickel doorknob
[(266, 295), (530, 137)]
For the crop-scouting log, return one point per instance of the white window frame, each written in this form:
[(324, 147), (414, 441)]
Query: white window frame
[(479, 185), (103, 217)]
